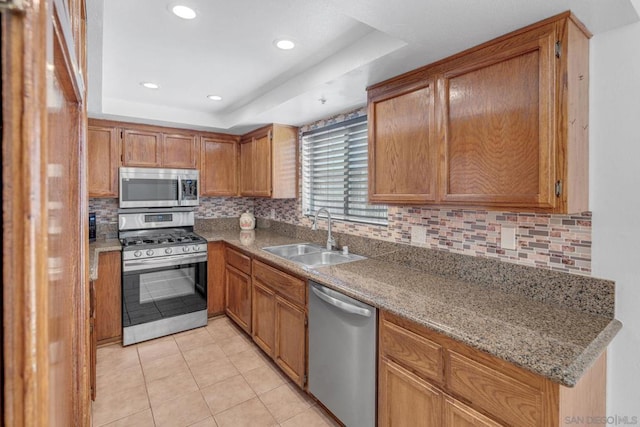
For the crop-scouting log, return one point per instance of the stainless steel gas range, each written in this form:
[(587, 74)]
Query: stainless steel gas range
[(164, 273)]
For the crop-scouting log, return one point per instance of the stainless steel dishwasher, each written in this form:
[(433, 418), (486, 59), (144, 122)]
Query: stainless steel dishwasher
[(342, 355)]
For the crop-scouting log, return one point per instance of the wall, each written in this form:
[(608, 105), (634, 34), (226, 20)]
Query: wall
[(615, 201)]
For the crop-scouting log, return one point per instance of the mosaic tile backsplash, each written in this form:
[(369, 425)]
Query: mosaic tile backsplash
[(555, 242), (210, 207)]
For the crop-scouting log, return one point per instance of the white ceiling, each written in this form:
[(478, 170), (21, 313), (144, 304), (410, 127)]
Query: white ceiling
[(342, 47)]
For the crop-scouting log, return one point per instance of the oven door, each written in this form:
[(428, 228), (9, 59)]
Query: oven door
[(157, 289)]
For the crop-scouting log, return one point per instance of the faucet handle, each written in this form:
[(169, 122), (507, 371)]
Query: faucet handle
[(331, 243)]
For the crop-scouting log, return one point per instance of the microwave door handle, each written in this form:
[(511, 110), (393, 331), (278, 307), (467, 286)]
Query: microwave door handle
[(179, 191)]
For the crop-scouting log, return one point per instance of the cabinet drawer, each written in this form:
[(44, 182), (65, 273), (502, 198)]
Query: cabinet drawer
[(238, 260), (512, 401), (288, 286), (414, 352)]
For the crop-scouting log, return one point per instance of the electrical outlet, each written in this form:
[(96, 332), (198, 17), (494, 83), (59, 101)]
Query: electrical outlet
[(273, 214), (508, 237), (418, 234)]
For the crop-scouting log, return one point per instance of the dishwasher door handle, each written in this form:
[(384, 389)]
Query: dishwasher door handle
[(342, 305)]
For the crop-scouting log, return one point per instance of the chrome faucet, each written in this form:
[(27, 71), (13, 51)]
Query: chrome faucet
[(331, 242)]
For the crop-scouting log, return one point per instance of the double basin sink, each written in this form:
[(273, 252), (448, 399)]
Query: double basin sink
[(311, 255)]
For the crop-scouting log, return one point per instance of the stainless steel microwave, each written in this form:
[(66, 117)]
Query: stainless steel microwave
[(155, 188)]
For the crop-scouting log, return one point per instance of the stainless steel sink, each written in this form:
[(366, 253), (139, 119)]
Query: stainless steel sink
[(317, 259), (311, 255), (286, 251)]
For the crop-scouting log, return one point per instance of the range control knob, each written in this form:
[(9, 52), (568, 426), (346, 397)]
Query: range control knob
[(137, 253), (150, 252), (185, 249), (168, 251), (195, 248)]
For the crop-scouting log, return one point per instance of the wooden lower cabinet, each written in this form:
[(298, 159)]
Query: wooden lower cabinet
[(290, 352), (93, 342), (108, 298), (215, 278), (405, 399), (238, 297), (279, 319), (460, 415), (427, 379), (263, 317)]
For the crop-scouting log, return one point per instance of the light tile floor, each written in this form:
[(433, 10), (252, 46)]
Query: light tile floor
[(211, 376)]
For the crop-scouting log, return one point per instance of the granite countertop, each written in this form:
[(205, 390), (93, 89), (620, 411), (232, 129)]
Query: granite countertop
[(555, 342), (95, 248)]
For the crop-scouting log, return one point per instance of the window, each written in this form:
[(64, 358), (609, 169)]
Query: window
[(334, 172)]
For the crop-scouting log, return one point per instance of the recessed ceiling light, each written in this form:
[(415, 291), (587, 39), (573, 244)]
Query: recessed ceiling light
[(183, 12), (284, 44), (150, 85), (214, 97)]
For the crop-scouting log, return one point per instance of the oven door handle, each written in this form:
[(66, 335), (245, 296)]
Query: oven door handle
[(166, 261)]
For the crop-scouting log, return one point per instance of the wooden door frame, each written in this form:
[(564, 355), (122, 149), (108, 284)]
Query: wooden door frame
[(34, 40)]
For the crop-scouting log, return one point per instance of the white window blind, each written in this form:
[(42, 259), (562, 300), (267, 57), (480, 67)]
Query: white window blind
[(334, 172)]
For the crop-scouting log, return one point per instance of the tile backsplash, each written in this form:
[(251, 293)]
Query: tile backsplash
[(555, 242), (210, 207)]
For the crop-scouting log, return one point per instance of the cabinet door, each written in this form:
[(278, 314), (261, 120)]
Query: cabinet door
[(215, 278), (263, 317), (219, 171), (247, 170), (403, 156), (262, 166), (108, 289), (103, 161), (498, 109), (141, 148), (290, 352), (179, 151), (238, 297), (457, 414), (406, 400)]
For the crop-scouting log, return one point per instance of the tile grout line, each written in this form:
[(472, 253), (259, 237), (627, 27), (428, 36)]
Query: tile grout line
[(194, 378), (144, 379)]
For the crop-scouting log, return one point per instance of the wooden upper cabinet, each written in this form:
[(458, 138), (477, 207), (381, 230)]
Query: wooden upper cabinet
[(503, 125), (151, 146), (402, 151), (247, 160), (255, 166), (268, 162), (262, 166), (179, 151), (218, 167), (141, 148), (498, 117), (103, 160)]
